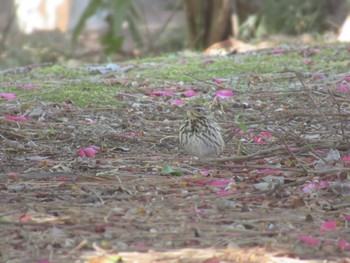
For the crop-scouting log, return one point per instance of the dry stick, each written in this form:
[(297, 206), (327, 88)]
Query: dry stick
[(309, 94), (25, 68), (292, 154), (265, 152), (339, 112), (78, 247), (207, 82), (315, 153)]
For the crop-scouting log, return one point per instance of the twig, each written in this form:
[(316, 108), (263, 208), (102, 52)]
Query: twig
[(78, 247), (339, 112), (313, 100)]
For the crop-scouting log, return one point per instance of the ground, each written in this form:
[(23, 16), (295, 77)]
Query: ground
[(91, 171)]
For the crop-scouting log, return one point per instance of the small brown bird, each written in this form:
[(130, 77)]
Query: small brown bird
[(200, 134)]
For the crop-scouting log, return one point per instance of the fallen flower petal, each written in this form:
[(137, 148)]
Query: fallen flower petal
[(343, 244), (16, 118), (90, 152), (81, 153), (266, 134), (346, 78), (293, 149), (269, 171), (219, 182), (204, 172), (347, 217), (310, 240), (318, 76), (307, 61), (258, 140), (313, 187), (346, 158), (29, 86), (343, 88), (216, 80), (224, 94), (161, 92), (90, 121), (189, 93), (278, 51), (25, 218), (8, 96), (328, 226), (178, 102)]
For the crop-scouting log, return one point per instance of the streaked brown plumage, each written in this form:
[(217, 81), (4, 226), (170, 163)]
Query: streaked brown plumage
[(200, 134)]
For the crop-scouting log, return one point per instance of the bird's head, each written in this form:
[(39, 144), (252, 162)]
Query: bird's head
[(198, 112)]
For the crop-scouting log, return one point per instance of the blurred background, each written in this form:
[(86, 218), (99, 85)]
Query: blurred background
[(96, 31)]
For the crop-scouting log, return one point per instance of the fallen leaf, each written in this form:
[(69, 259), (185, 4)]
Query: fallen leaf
[(168, 170)]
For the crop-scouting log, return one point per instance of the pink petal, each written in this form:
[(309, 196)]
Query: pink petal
[(343, 88), (30, 87), (347, 217), (278, 51), (258, 140), (346, 158), (328, 226), (219, 182), (63, 178), (161, 92), (266, 134), (81, 153), (8, 96), (14, 175), (142, 244), (216, 80), (346, 78), (208, 60), (16, 118), (343, 244), (178, 102), (310, 240), (313, 187), (269, 171), (307, 61), (189, 93), (309, 188), (90, 152), (182, 61), (204, 172), (293, 149), (318, 76), (90, 121), (224, 94)]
